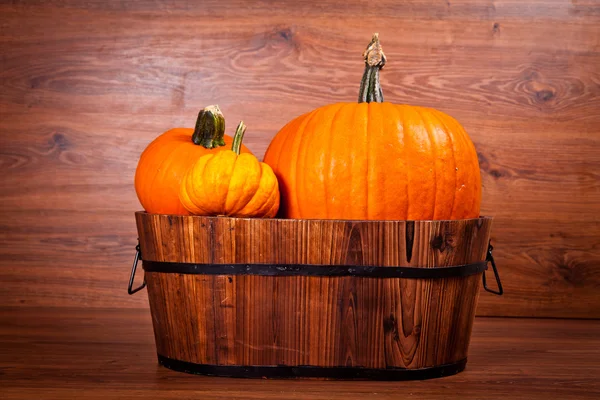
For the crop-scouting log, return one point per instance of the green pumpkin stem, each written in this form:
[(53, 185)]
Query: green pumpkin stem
[(370, 88), (238, 137), (210, 128)]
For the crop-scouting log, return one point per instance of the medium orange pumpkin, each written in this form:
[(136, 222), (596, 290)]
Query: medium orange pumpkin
[(164, 162), (375, 160)]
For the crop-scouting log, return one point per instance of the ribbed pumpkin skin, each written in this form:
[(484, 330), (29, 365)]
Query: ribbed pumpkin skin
[(162, 166), (230, 185), (376, 161)]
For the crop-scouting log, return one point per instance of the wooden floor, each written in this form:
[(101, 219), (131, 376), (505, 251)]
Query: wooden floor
[(101, 354)]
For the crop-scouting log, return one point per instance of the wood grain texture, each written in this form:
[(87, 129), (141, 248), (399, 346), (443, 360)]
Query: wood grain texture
[(101, 354), (86, 85), (325, 321)]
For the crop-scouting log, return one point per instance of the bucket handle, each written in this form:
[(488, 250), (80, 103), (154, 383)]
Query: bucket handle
[(490, 259), (138, 257)]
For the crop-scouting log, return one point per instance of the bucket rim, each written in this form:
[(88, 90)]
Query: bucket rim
[(353, 221)]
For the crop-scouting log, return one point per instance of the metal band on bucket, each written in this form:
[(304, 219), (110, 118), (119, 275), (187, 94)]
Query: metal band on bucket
[(315, 270), (307, 371)]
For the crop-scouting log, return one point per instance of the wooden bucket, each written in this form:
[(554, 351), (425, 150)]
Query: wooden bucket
[(312, 298)]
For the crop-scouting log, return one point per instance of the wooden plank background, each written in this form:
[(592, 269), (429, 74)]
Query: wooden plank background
[(86, 85)]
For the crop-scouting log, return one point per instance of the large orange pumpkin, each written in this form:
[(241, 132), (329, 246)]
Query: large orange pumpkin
[(375, 160), (165, 161)]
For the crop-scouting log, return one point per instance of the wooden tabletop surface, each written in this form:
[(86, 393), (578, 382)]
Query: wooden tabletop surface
[(66, 353)]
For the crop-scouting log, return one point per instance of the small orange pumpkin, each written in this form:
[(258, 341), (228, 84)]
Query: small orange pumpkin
[(232, 184), (164, 162), (375, 160)]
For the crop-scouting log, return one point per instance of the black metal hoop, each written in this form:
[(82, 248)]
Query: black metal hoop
[(285, 371), (319, 270), (315, 270)]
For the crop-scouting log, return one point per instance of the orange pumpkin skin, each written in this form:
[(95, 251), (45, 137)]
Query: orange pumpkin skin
[(162, 166), (231, 184), (376, 161)]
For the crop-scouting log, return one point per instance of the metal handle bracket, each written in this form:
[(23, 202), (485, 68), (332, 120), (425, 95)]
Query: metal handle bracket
[(138, 256), (490, 259)]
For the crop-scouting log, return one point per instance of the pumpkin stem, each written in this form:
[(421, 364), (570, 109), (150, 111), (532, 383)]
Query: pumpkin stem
[(210, 128), (238, 137), (370, 88)]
